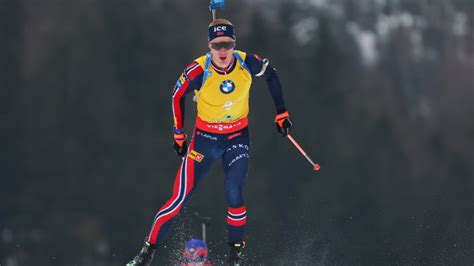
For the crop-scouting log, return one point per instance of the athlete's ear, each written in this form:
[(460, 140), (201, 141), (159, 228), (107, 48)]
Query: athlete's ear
[(209, 45)]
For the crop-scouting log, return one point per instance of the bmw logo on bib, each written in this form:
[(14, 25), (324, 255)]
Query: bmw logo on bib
[(227, 86)]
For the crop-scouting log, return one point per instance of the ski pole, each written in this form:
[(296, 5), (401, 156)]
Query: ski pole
[(316, 166), (214, 4)]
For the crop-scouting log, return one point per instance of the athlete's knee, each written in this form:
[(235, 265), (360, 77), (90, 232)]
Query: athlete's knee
[(234, 196), (187, 198)]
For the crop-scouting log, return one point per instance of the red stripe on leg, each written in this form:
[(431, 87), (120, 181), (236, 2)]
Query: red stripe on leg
[(162, 220), (190, 169), (157, 223), (240, 222), (176, 189), (237, 211)]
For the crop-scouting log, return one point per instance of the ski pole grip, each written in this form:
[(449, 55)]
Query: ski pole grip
[(214, 4)]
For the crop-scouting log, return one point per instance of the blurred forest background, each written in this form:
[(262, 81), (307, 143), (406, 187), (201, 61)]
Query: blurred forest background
[(381, 93)]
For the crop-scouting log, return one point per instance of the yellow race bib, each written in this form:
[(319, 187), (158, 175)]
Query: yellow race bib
[(224, 97)]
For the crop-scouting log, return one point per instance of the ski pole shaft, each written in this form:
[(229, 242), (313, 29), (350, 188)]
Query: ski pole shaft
[(204, 233), (316, 166)]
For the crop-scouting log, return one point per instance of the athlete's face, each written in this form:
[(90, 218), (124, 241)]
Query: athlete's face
[(222, 49)]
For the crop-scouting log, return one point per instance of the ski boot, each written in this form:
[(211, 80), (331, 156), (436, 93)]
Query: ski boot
[(145, 256), (235, 258)]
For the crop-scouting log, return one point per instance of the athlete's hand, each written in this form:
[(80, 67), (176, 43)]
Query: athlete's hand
[(283, 123), (179, 144)]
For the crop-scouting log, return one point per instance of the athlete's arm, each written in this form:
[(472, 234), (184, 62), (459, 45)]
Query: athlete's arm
[(262, 68), (190, 80)]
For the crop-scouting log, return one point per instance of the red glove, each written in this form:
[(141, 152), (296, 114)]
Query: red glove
[(179, 144), (283, 123)]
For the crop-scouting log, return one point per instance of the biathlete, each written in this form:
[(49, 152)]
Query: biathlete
[(221, 81)]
